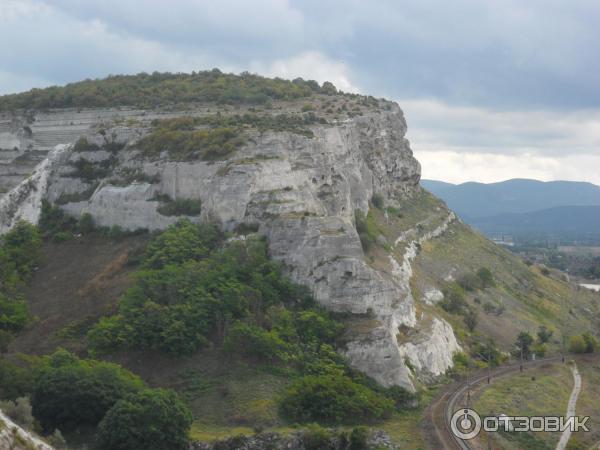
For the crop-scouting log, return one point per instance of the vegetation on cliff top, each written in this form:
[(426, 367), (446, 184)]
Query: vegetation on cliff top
[(162, 89)]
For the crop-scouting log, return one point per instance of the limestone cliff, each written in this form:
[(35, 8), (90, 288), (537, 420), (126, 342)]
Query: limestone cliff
[(302, 191), (13, 437)]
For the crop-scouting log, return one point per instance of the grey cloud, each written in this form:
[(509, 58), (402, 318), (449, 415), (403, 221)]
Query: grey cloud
[(497, 54)]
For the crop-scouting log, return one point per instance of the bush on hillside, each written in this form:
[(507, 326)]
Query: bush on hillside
[(191, 287), (365, 229), (333, 399), (454, 299), (377, 200), (577, 344), (250, 340), (19, 411), (20, 252), (70, 392), (149, 419), (486, 277)]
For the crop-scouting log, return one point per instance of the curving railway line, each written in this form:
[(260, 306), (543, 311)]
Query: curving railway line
[(436, 425)]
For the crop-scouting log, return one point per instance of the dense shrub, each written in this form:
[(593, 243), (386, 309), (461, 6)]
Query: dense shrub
[(584, 343), (16, 380), (90, 171), (20, 252), (182, 242), (14, 314), (544, 334), (315, 437), (149, 419), (454, 299), (53, 220), (577, 344), (333, 399), (487, 352), (377, 201), (251, 340), (187, 145), (83, 145), (179, 207), (482, 279), (470, 318), (539, 349), (149, 90), (190, 288), (366, 230), (19, 411), (294, 123), (358, 438), (70, 392), (524, 341), (486, 277), (591, 342)]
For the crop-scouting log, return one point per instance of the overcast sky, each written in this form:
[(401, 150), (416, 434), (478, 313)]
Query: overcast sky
[(491, 90)]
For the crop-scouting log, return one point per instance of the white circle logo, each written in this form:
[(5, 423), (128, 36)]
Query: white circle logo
[(465, 424)]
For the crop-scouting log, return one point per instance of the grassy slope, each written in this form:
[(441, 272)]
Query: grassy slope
[(538, 391), (545, 391), (587, 403), (530, 298)]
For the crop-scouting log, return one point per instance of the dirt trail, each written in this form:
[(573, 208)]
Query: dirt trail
[(564, 439)]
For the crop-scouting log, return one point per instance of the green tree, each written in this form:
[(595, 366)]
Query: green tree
[(153, 419), (470, 318), (577, 344), (524, 341), (70, 392), (591, 342), (454, 299), (14, 314), (251, 340), (332, 399), (182, 242), (359, 438), (20, 252), (486, 277), (544, 334), (539, 349), (192, 288), (377, 200)]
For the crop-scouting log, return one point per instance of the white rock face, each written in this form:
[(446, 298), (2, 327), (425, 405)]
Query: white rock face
[(431, 351), (302, 192), (24, 202), (25, 440), (433, 296)]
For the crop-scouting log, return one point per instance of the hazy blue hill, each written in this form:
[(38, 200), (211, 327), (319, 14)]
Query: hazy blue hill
[(574, 220), (474, 200)]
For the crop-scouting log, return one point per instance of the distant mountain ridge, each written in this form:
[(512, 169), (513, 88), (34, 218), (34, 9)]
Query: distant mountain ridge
[(569, 210), (561, 219), (474, 200)]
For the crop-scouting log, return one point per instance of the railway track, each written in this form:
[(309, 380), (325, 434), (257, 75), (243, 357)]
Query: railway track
[(436, 426)]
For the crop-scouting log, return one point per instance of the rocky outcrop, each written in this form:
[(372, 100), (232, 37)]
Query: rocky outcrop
[(300, 440), (13, 437), (24, 202), (302, 192)]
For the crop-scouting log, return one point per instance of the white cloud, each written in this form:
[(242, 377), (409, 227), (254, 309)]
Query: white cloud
[(12, 82), (438, 126), (455, 167), (310, 65)]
